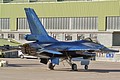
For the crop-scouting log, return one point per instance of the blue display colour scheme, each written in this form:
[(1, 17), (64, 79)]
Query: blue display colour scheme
[(48, 48)]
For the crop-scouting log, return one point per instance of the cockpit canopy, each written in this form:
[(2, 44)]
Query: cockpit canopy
[(92, 39)]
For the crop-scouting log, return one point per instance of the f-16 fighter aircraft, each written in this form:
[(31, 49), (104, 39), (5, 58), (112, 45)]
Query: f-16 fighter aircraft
[(50, 49)]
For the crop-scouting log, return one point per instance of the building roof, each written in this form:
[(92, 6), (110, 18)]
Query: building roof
[(36, 1)]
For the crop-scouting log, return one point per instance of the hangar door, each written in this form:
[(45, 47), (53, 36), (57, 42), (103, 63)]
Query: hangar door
[(116, 38)]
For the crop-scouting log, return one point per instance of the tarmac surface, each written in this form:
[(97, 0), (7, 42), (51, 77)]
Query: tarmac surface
[(31, 69)]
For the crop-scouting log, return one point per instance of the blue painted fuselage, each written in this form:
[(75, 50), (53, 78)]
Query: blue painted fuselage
[(47, 47)]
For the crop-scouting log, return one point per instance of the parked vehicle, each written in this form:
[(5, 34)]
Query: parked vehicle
[(22, 56)]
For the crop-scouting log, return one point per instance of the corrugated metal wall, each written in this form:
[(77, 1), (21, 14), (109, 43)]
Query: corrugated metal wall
[(99, 9)]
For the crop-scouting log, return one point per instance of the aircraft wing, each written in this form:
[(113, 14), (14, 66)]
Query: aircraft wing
[(48, 51), (44, 53)]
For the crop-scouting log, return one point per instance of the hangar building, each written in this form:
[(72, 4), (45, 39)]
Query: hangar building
[(64, 19)]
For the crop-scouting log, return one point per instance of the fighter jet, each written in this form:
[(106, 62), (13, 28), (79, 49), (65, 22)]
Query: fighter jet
[(53, 51)]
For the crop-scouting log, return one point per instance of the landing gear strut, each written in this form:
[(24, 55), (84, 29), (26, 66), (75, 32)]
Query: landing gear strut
[(73, 65), (51, 66)]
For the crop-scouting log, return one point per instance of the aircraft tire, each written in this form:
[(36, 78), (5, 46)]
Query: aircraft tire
[(21, 56), (74, 67), (86, 67), (51, 66)]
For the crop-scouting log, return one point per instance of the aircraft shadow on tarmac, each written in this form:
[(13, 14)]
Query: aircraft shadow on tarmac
[(67, 69), (22, 65), (90, 70)]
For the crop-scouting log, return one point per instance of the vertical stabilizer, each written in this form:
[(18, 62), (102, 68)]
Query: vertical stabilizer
[(36, 27)]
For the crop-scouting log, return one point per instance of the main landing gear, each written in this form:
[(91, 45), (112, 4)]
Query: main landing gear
[(73, 65), (51, 66)]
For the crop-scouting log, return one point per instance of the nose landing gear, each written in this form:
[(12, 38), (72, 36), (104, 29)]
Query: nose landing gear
[(86, 67)]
